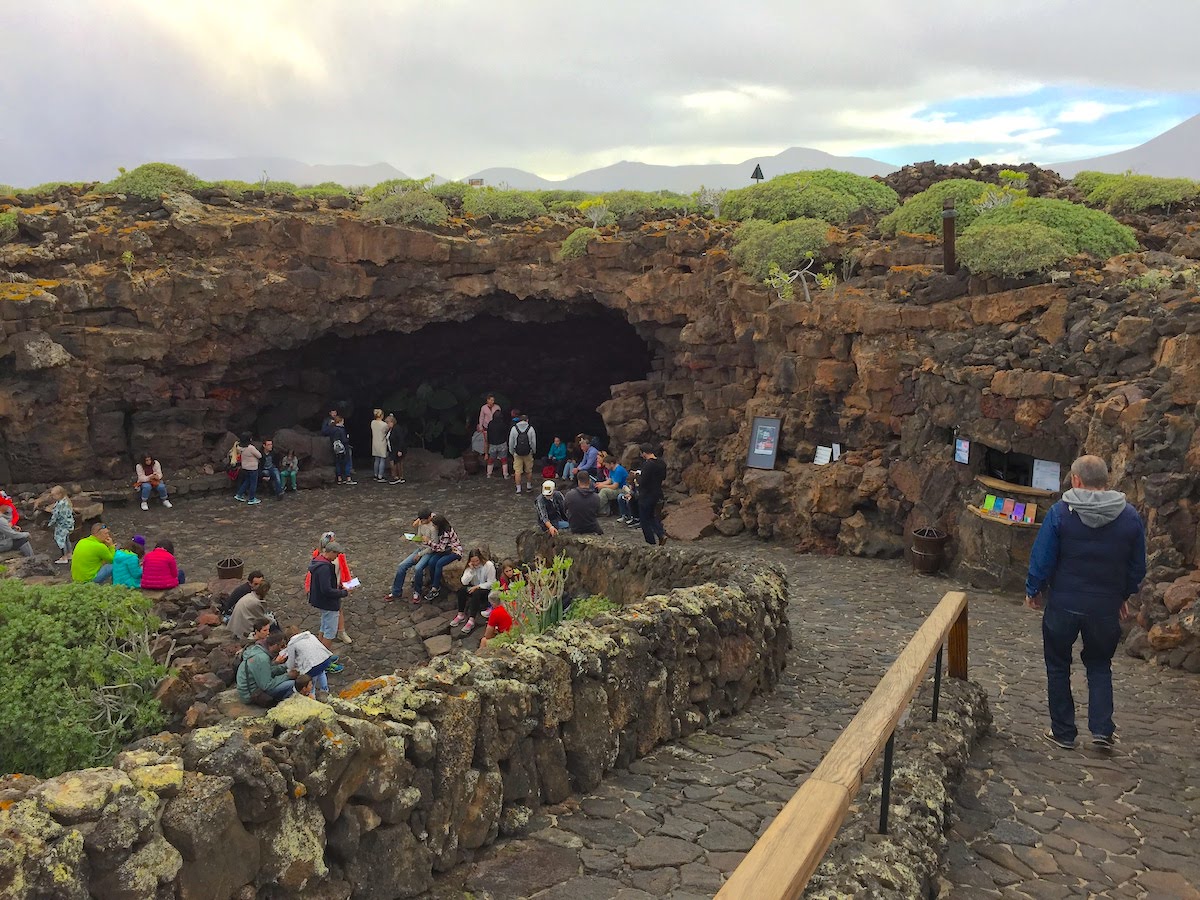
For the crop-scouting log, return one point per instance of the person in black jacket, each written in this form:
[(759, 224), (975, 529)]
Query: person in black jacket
[(582, 507), (650, 495), (339, 442), (324, 593), (497, 439)]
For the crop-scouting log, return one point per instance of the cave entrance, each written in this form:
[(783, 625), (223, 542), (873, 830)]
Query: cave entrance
[(435, 379)]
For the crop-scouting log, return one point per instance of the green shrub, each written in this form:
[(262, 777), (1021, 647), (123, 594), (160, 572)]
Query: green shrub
[(559, 196), (1137, 193), (323, 190), (502, 205), (8, 227), (80, 681), (1014, 249), (624, 204), (408, 207), (757, 244), (586, 608), (1084, 230), (151, 181), (395, 186), (576, 243), (235, 189), (7, 190), (820, 194), (452, 191), (922, 213), (1089, 181)]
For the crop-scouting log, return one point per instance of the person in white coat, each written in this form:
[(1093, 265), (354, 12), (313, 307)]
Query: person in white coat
[(305, 653), (379, 451)]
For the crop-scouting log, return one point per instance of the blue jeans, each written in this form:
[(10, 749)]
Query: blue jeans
[(161, 490), (276, 481), (561, 526), (104, 576), (623, 507), (249, 487), (413, 559), (440, 561), (317, 673), (283, 690), (1101, 634), (341, 466)]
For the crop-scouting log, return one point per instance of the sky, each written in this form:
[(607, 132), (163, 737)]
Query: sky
[(455, 86)]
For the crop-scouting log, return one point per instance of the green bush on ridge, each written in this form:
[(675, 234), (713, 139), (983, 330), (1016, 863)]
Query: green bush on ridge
[(1135, 193), (503, 205), (922, 213), (576, 243), (790, 244), (8, 227), (151, 180), (820, 194), (408, 207), (1084, 230), (81, 683), (1009, 250)]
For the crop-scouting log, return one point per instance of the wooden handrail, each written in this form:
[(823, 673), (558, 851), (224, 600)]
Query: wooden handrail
[(782, 861)]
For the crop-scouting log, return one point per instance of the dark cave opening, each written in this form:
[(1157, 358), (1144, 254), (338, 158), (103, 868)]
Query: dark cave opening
[(556, 372)]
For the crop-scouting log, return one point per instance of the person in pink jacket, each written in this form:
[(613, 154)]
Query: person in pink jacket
[(160, 572)]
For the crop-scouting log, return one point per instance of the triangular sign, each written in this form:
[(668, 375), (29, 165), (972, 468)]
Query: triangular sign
[(758, 175)]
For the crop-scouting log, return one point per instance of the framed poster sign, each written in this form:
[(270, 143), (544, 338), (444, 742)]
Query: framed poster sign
[(764, 443), (962, 450)]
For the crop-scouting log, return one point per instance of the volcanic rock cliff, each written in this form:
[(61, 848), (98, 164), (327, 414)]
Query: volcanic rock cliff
[(169, 324)]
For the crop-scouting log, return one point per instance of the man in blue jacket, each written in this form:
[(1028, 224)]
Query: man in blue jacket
[(324, 593), (1089, 558)]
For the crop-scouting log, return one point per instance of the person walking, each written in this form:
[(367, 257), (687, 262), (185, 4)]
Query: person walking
[(522, 445), (62, 521), (1088, 560), (650, 495)]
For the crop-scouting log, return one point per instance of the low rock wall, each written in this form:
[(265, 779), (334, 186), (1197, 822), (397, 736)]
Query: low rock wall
[(370, 795), (930, 761)]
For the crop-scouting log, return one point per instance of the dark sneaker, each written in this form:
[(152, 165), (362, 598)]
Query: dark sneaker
[(1058, 742), (432, 594), (396, 481), (1104, 741), (349, 481)]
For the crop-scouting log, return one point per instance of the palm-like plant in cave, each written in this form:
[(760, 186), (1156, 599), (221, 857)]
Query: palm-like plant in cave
[(436, 416)]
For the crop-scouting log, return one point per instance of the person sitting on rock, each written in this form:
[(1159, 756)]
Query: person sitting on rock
[(127, 564), (582, 506), (289, 471), (250, 607), (324, 592), (551, 509), (259, 680), (497, 441), (253, 580), (444, 549), (557, 454), (574, 458), (423, 534), (160, 571), (478, 579), (306, 655), (591, 459), (10, 537), (508, 574), (62, 521), (250, 460), (93, 556), (150, 478), (612, 486), (268, 469)]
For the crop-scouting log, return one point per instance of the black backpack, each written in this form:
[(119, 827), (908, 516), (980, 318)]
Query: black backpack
[(523, 448)]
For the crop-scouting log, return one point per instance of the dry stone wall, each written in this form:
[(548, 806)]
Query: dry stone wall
[(369, 796)]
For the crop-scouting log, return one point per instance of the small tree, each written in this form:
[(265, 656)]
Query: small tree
[(710, 199), (595, 209)]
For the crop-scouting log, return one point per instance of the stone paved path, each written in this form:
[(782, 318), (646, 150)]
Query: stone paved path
[(1034, 821)]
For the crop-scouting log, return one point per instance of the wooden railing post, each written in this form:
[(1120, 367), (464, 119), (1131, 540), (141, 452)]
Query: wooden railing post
[(957, 645)]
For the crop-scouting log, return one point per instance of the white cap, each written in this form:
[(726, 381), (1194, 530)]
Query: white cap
[(547, 488)]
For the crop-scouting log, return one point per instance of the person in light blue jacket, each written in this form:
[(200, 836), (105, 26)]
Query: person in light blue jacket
[(127, 565)]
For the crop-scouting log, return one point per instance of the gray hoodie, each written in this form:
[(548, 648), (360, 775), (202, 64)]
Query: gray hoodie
[(1094, 508)]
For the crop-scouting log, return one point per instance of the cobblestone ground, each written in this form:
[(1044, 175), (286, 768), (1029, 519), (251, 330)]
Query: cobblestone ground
[(1034, 821)]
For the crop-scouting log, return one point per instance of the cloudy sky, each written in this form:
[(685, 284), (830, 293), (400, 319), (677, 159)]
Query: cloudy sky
[(455, 86)]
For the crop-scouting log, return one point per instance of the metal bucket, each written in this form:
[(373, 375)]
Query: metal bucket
[(230, 567)]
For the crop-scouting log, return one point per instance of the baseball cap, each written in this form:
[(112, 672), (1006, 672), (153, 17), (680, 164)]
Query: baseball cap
[(547, 488)]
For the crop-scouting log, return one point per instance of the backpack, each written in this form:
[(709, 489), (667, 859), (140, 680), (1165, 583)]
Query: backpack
[(523, 448), (339, 449)]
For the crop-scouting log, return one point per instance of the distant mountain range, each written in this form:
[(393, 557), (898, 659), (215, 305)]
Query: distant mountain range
[(279, 168), (637, 176), (1173, 154)]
